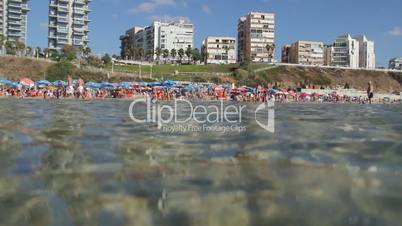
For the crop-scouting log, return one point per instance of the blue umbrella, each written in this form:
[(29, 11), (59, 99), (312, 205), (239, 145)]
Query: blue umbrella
[(107, 85), (93, 85), (56, 83), (189, 87), (155, 84), (143, 84), (42, 82), (125, 85), (5, 82)]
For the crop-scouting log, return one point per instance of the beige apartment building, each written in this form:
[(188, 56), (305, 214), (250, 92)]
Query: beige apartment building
[(256, 38), (305, 53), (328, 51), (219, 50)]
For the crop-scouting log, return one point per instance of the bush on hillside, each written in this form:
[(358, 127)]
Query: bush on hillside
[(60, 70)]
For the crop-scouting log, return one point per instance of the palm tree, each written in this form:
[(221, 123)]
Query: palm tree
[(150, 54), (158, 53), (181, 55), (29, 51), (141, 53), (173, 54), (189, 52), (86, 51), (132, 52), (37, 51), (19, 46), (47, 52), (10, 47), (271, 49), (165, 54)]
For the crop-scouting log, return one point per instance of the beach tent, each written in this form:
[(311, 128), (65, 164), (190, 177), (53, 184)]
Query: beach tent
[(27, 82)]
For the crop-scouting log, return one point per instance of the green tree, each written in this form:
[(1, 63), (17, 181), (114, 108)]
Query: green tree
[(141, 53), (271, 50), (158, 53), (29, 51), (107, 59), (69, 52), (19, 47), (196, 55), (165, 54), (38, 51), (189, 52), (173, 54), (150, 54), (181, 55), (10, 47), (60, 70), (87, 51)]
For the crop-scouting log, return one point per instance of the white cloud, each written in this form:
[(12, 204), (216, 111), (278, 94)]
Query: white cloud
[(206, 9), (167, 18), (151, 5), (397, 31)]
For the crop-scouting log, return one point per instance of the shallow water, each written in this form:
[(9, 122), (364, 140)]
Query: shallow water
[(86, 163)]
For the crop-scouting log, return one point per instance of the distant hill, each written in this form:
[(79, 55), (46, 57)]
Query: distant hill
[(14, 67)]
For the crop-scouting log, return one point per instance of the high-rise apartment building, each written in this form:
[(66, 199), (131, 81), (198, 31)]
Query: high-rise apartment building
[(346, 52), (395, 63), (13, 19), (219, 50), (285, 56), (306, 53), (68, 23), (328, 51), (256, 38), (366, 52), (164, 35)]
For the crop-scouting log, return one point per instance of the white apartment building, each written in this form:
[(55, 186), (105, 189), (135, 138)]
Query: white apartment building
[(346, 52), (255, 32), (164, 35), (219, 50), (366, 52), (395, 63), (306, 53), (14, 19), (68, 23)]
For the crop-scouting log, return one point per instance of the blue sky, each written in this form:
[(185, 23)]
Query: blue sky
[(318, 20)]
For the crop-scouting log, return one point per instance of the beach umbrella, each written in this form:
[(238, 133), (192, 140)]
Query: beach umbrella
[(125, 85), (57, 82), (218, 88), (42, 83), (135, 85), (155, 84), (27, 82), (272, 91), (5, 82), (189, 87), (107, 85), (143, 84), (93, 85)]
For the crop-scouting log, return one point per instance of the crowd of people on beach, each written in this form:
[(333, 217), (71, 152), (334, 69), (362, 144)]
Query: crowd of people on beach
[(170, 90)]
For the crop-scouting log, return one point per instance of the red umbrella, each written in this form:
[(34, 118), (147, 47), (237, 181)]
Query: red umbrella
[(26, 82), (136, 85)]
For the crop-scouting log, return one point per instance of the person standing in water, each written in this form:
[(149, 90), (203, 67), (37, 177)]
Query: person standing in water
[(370, 92)]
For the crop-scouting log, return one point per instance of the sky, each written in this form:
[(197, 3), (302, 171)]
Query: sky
[(314, 20)]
